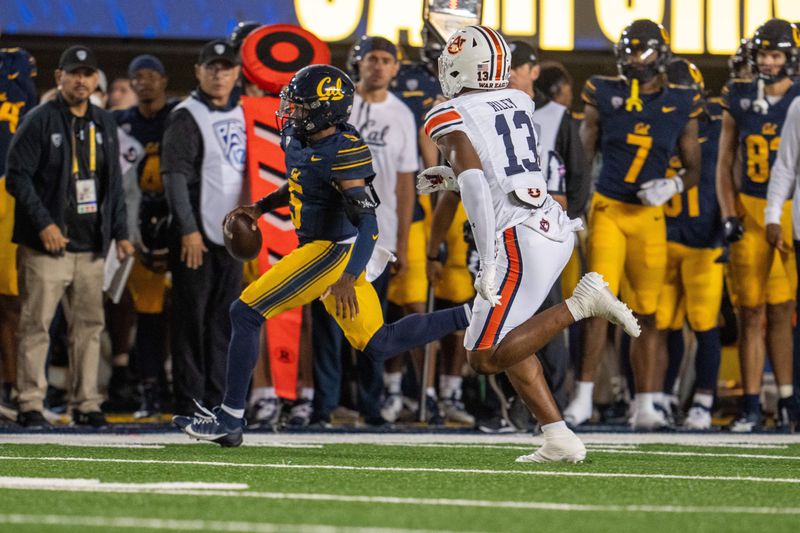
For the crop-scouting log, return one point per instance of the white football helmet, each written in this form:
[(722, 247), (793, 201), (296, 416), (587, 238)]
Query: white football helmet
[(475, 57)]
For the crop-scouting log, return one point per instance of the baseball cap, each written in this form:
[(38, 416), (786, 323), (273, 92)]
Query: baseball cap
[(218, 49), (145, 61), (76, 57), (521, 53), (369, 44)]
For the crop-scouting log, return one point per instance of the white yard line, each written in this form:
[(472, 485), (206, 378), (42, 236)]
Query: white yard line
[(43, 483), (699, 454), (284, 466), (188, 525)]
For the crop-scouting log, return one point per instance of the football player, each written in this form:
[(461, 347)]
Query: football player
[(764, 278), (524, 238), (332, 205), (693, 286), (636, 120)]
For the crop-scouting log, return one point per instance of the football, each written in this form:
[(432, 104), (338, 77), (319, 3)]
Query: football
[(242, 237)]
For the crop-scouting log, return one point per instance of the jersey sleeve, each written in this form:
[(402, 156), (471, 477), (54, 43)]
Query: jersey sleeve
[(725, 97), (589, 92), (441, 120), (697, 105), (353, 160)]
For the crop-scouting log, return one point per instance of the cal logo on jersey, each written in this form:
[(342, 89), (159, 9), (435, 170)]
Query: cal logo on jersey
[(328, 90), (231, 137)]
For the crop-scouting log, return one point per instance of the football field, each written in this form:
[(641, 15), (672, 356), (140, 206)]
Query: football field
[(397, 482)]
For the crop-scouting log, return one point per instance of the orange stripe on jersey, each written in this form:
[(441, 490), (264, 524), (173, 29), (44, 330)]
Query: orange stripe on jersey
[(437, 120), (508, 289)]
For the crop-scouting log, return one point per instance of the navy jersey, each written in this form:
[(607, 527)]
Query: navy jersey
[(317, 206), (759, 135), (693, 218), (17, 94), (418, 89), (637, 145), (140, 144)]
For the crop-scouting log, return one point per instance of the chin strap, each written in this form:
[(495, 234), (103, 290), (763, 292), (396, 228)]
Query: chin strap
[(634, 103)]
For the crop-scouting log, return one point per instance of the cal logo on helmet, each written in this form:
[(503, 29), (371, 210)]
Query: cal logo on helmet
[(329, 92)]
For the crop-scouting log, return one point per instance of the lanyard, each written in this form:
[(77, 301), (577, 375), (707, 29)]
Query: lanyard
[(92, 152)]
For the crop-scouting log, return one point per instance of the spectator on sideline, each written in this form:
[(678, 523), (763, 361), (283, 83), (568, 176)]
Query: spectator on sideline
[(63, 171), (202, 166), (121, 94)]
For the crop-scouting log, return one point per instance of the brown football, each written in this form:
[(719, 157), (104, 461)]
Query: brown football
[(242, 237)]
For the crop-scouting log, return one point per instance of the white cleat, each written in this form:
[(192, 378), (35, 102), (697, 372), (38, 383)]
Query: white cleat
[(578, 412), (648, 420), (563, 447), (698, 418), (392, 407), (591, 297)]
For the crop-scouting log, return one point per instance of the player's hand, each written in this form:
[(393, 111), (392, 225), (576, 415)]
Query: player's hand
[(400, 265), (345, 294), (659, 191), (433, 271), (436, 179), (124, 249), (53, 240), (775, 238), (251, 211), (485, 283), (733, 229), (192, 250)]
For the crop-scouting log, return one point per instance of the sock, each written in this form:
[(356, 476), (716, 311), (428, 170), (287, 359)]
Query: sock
[(785, 391), (675, 350), (262, 393), (703, 399), (584, 391), (751, 403), (450, 386), (706, 363), (393, 382), (415, 330), (242, 353), (307, 393), (644, 401), (554, 427), (235, 413), (430, 392)]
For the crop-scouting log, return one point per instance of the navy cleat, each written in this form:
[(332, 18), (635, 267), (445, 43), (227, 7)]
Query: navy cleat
[(746, 423), (213, 426)]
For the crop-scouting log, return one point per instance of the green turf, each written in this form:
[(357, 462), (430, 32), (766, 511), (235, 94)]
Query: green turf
[(425, 485)]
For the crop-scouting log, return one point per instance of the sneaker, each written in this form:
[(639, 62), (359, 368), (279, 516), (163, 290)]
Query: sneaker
[(32, 420), (666, 412), (433, 415), (265, 414), (95, 419), (563, 447), (745, 423), (578, 412), (787, 417), (698, 418), (454, 411), (321, 421), (214, 426), (648, 420), (300, 414), (151, 401), (391, 408), (591, 297), (497, 424)]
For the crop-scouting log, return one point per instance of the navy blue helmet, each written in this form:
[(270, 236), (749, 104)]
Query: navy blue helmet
[(317, 97), (649, 39), (776, 34)]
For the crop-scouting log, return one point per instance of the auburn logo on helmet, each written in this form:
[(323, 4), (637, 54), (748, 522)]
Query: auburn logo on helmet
[(329, 92), (456, 44)]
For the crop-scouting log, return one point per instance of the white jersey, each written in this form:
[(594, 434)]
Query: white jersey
[(499, 124), (390, 131)]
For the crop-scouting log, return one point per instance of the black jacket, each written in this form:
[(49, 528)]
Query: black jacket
[(38, 174)]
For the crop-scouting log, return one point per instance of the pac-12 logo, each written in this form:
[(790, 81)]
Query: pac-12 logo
[(231, 137), (329, 92)]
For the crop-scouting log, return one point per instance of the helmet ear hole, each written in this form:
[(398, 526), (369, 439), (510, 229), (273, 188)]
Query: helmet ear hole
[(454, 74)]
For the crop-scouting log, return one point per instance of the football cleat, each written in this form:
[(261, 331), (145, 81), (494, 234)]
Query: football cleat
[(213, 426), (591, 297), (787, 417), (391, 408), (454, 411), (648, 420), (300, 414), (563, 447), (578, 412), (745, 423), (698, 418), (265, 414)]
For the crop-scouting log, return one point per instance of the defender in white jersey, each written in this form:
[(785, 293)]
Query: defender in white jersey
[(523, 237)]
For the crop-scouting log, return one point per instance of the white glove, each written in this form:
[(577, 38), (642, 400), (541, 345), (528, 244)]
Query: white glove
[(485, 283), (437, 179), (659, 191)]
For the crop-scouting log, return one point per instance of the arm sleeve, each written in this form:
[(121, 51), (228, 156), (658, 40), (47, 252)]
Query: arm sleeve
[(180, 152), (786, 170), (24, 154), (367, 225), (119, 221), (589, 92), (568, 145), (476, 197)]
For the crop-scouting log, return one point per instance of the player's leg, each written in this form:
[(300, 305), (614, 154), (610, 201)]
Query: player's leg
[(606, 255), (669, 317)]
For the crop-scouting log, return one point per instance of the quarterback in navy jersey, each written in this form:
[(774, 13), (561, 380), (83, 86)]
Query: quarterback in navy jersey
[(329, 170)]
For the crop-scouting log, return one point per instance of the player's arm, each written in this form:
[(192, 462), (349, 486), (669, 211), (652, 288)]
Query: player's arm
[(274, 200), (784, 173), (443, 215), (404, 190), (590, 132), (690, 152), (726, 188)]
